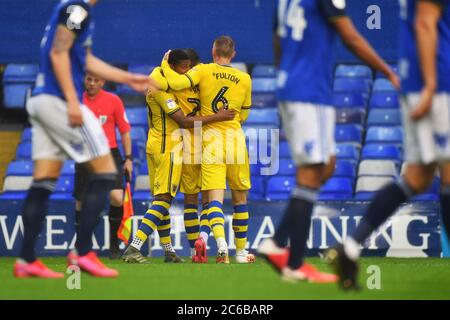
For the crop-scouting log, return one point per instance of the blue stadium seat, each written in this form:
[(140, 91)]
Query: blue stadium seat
[(137, 134), (383, 85), (279, 187), (15, 94), (344, 168), (264, 99), (286, 167), (352, 85), (65, 184), (263, 117), (26, 135), (264, 71), (23, 151), (20, 73), (384, 100), (381, 75), (68, 168), (13, 195), (284, 151), (258, 188), (351, 115), (264, 85), (384, 117), (338, 185), (347, 100), (20, 168), (137, 150), (61, 196), (137, 116), (381, 151), (142, 196), (348, 133), (385, 135), (143, 168), (347, 151), (145, 69), (360, 71)]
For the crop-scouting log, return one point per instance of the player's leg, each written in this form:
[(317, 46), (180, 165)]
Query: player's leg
[(214, 182), (240, 226), (48, 160), (238, 178), (116, 206), (217, 222), (191, 221), (81, 176), (444, 196), (115, 218), (190, 187), (420, 148), (200, 245), (46, 173), (309, 131)]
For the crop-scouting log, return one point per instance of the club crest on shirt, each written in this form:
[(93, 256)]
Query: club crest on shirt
[(103, 119), (171, 104)]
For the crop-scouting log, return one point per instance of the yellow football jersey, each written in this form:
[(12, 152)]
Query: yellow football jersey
[(219, 85), (164, 133)]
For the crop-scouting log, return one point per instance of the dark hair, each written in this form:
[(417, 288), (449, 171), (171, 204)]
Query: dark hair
[(224, 46), (177, 55), (193, 56)]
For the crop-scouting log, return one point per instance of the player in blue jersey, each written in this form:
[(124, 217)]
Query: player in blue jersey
[(307, 30), (62, 127), (425, 71)]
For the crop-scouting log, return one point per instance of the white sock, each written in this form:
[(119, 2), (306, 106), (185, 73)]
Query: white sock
[(168, 247), (204, 236), (192, 252), (222, 244), (137, 243), (242, 252), (352, 249)]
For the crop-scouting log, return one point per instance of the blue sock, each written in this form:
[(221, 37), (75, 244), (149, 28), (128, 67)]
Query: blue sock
[(94, 202), (298, 212), (34, 211), (444, 198), (383, 206)]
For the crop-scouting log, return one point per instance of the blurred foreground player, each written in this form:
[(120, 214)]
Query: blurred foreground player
[(64, 127), (307, 31), (425, 71), (165, 157), (109, 109)]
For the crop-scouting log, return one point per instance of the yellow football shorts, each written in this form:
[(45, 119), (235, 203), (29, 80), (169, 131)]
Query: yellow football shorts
[(227, 163), (164, 171)]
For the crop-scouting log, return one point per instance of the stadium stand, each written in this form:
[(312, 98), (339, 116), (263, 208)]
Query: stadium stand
[(368, 134)]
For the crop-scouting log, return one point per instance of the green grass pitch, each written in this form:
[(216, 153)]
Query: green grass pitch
[(400, 279)]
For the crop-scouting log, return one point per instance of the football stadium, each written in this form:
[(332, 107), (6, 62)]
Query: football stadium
[(225, 150)]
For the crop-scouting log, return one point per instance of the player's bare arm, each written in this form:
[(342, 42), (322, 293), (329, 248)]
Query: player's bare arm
[(128, 163), (356, 43), (426, 22), (188, 122), (175, 80), (138, 82), (60, 58)]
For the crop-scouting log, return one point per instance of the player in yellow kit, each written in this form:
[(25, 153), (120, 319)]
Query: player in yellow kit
[(224, 157), (164, 157)]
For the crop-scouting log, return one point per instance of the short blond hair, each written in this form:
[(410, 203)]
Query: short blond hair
[(224, 46)]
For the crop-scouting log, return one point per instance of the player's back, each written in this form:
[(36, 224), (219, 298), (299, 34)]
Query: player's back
[(224, 85), (164, 133), (76, 16), (307, 41), (410, 70)]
